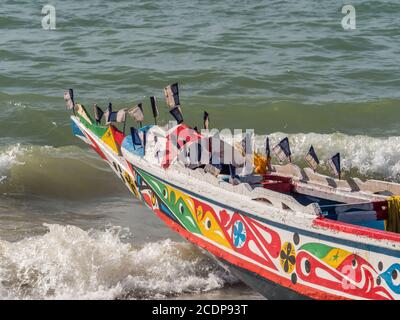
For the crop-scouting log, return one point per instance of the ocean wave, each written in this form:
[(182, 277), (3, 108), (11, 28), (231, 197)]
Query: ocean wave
[(7, 160), (65, 172), (79, 173), (39, 119), (362, 156), (70, 263)]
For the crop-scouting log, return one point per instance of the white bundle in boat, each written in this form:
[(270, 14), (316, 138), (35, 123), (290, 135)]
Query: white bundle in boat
[(156, 142)]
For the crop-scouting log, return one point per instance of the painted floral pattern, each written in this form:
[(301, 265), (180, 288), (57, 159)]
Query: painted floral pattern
[(239, 234), (288, 257)]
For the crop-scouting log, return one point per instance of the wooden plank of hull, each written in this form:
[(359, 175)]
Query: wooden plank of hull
[(373, 186), (354, 187), (328, 193)]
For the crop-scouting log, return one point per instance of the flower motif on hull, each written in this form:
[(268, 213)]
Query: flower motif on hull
[(288, 257), (239, 234)]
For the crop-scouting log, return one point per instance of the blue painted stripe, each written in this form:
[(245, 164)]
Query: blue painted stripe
[(168, 212), (75, 129), (358, 245)]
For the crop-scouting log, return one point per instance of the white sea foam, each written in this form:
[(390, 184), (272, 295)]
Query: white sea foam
[(369, 156), (8, 158), (70, 263), (372, 157)]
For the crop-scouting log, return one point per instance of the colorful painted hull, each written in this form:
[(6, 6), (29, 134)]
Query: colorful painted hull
[(279, 257)]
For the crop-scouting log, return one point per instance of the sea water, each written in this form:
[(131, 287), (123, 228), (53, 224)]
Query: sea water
[(69, 229)]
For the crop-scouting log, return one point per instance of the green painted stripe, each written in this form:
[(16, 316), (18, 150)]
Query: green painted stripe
[(186, 218), (317, 249), (96, 129)]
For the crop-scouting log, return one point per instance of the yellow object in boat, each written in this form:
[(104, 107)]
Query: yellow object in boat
[(261, 163), (393, 221)]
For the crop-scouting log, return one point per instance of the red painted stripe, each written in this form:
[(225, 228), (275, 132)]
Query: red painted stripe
[(96, 147), (300, 288), (356, 230)]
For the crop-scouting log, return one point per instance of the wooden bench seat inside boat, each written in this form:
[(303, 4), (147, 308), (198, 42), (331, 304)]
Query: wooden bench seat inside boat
[(281, 192), (353, 201)]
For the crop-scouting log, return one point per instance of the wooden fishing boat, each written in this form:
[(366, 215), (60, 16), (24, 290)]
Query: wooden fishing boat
[(288, 233)]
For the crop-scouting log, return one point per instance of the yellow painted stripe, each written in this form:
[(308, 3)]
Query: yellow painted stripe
[(108, 138), (335, 257)]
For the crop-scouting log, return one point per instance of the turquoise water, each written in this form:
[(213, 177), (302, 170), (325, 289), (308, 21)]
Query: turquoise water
[(280, 67)]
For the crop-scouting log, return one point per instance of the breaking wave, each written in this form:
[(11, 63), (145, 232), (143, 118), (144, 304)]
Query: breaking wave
[(78, 173), (65, 172), (7, 160), (70, 263), (362, 156)]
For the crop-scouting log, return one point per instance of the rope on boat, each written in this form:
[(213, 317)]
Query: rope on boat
[(393, 221)]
